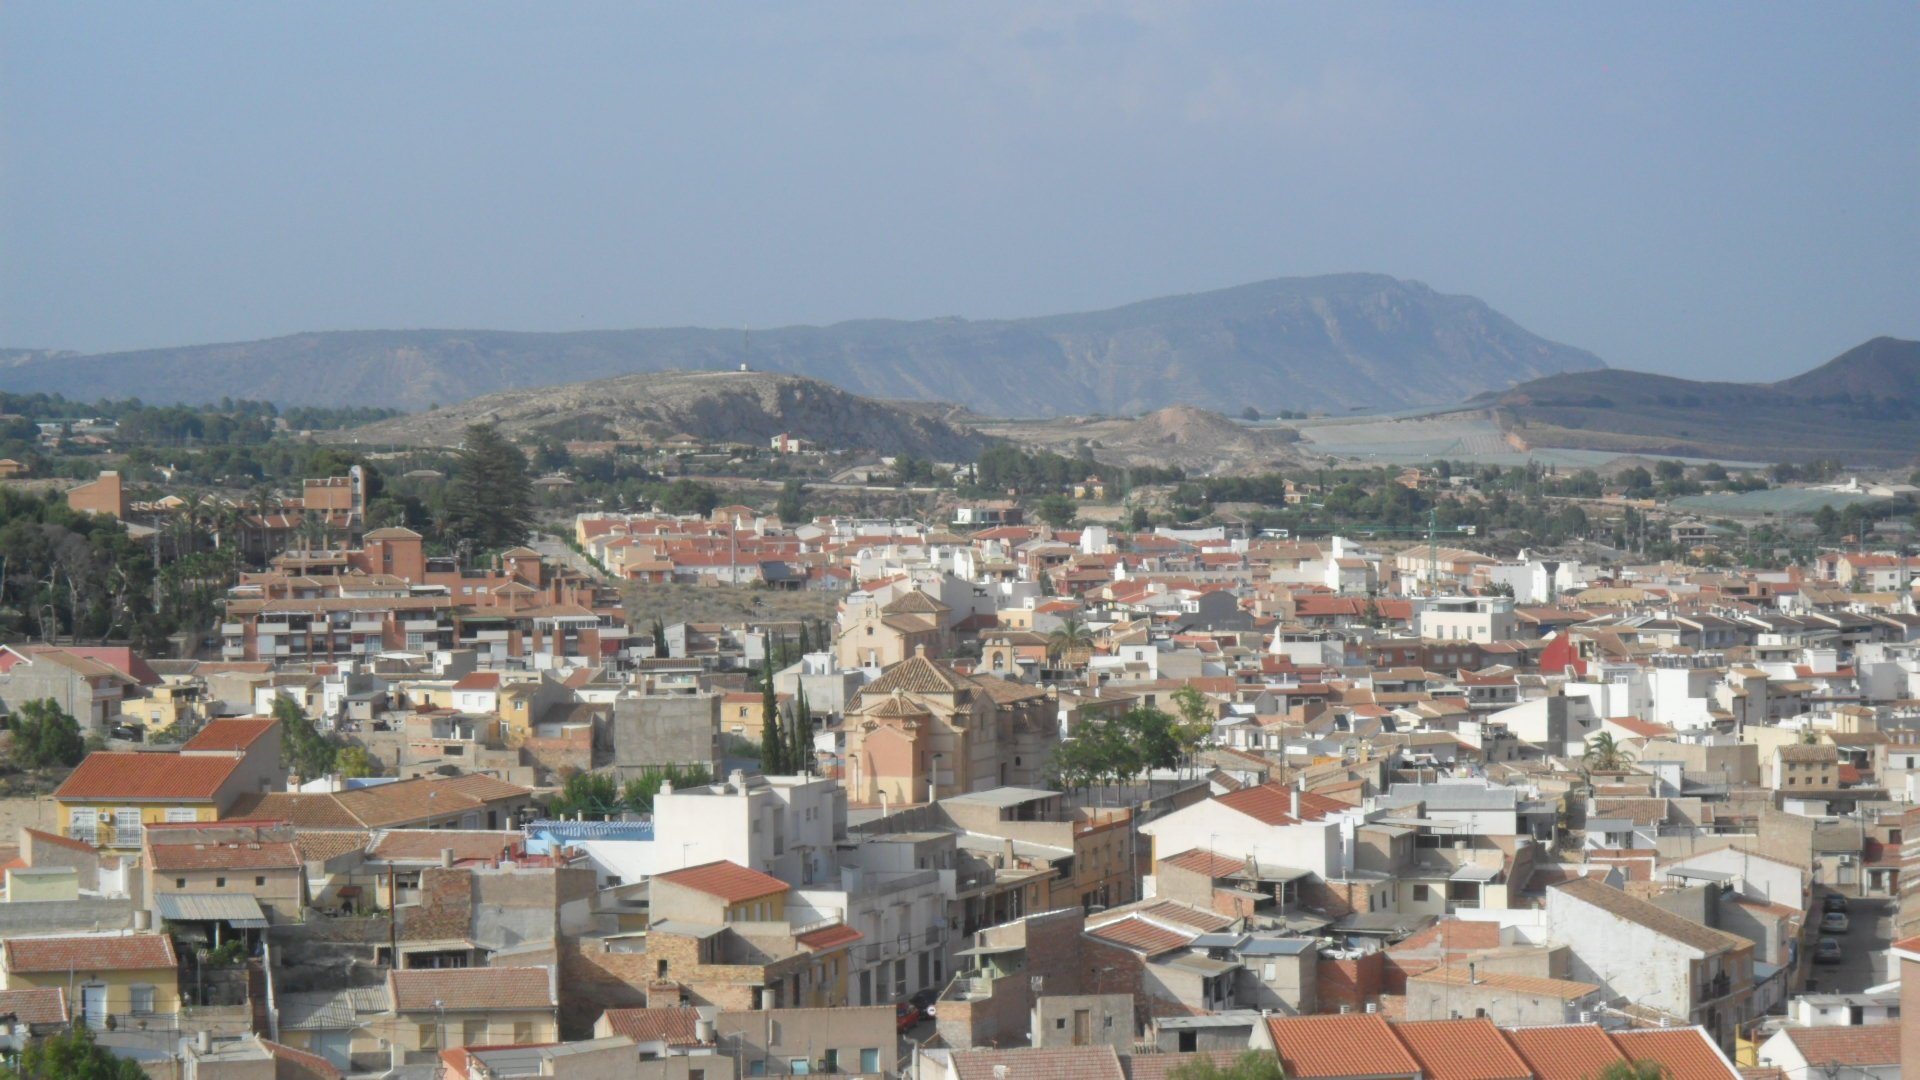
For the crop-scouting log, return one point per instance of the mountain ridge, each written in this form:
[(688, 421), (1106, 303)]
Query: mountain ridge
[(1270, 344)]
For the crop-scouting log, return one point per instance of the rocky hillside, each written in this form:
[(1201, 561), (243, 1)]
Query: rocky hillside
[(1862, 407), (718, 405), (1328, 343), (1194, 439)]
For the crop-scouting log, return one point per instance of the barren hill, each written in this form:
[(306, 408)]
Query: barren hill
[(1194, 439), (1331, 343), (1862, 407), (718, 405)]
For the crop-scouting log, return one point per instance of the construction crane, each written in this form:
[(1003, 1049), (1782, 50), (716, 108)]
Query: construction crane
[(1431, 530)]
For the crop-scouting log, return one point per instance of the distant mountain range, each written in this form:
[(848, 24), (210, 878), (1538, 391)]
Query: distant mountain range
[(1862, 406), (1321, 343), (710, 405)]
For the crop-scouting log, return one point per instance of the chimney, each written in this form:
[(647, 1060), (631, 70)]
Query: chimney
[(1473, 973), (737, 780), (1294, 797), (446, 857), (203, 1040)]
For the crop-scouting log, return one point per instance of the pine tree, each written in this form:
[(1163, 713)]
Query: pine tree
[(490, 502), (806, 642), (773, 745)]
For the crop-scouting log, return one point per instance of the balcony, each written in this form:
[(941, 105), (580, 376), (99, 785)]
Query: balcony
[(273, 628), (232, 629), (423, 626), (366, 626), (233, 651)]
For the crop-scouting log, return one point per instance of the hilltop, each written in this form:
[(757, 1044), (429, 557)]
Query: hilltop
[(1197, 440), (1863, 407), (1331, 343), (746, 406)]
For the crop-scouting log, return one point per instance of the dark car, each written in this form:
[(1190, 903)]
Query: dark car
[(905, 1015), (1828, 951), (924, 1001), (1833, 902)]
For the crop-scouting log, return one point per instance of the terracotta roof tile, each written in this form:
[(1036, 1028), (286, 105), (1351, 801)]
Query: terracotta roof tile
[(1058, 1063), (1461, 1050), (677, 1026), (1530, 985), (917, 675), (141, 777), (829, 937), (1687, 1053), (1272, 804), (1565, 1051), (90, 952), (415, 845), (305, 1066), (1333, 1047), (1202, 861), (44, 1005), (320, 845), (730, 882), (1858, 1046), (471, 989), (229, 734), (279, 855), (1141, 936), (42, 837)]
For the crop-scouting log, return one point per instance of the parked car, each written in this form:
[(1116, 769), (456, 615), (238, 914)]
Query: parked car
[(1833, 902), (1828, 951), (924, 1001), (905, 1016), (1834, 922)]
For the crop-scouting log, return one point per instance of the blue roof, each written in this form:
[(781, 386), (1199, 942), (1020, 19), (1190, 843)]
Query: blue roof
[(544, 836)]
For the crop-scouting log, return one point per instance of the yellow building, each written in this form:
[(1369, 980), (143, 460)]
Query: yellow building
[(435, 1010), (111, 797), (166, 705), (126, 976)]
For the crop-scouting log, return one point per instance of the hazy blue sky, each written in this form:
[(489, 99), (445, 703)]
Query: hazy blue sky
[(1714, 189)]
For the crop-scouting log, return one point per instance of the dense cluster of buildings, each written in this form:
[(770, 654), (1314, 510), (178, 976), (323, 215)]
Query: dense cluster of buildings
[(1449, 816)]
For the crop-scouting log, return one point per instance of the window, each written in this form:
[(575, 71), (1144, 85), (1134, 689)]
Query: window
[(870, 1061), (126, 826), (219, 883), (83, 825), (260, 879), (798, 1066), (696, 1074), (140, 1000), (831, 1062), (179, 883), (1420, 892), (178, 814), (473, 1033), (757, 1068), (1060, 1024), (429, 1037)]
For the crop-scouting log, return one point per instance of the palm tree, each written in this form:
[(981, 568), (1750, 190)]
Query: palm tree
[(1071, 636), (1605, 755)]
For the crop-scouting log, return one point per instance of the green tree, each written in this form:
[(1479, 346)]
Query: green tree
[(660, 651), (1197, 715), (792, 506), (46, 737), (685, 496), (1069, 637), (1605, 755), (591, 795), (800, 748), (641, 790), (1250, 1065), (1057, 510), (490, 502), (302, 747), (74, 1055), (1139, 520), (1152, 738), (773, 744), (353, 763)]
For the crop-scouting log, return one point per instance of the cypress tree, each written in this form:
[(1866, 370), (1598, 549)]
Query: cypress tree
[(659, 638), (802, 752), (806, 643), (773, 745)]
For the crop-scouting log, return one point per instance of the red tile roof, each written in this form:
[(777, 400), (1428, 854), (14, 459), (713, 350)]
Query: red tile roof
[(1055, 1063), (1461, 1050), (141, 777), (1858, 1046), (1333, 1047), (829, 937), (1687, 1053), (675, 1026), (233, 734), (303, 1065), (730, 882), (1564, 1051), (1272, 804), (471, 989), (40, 837), (44, 1005), (268, 856), (1141, 936), (479, 680), (1202, 861), (91, 952)]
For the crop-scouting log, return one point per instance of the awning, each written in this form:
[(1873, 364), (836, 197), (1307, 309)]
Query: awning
[(237, 910), (989, 950)]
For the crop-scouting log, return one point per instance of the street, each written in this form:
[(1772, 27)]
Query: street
[(1869, 932)]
